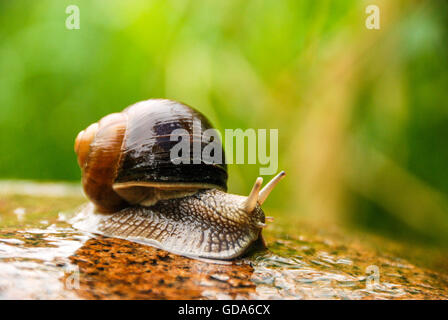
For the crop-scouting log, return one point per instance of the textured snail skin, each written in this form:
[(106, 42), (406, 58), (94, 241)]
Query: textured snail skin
[(209, 224)]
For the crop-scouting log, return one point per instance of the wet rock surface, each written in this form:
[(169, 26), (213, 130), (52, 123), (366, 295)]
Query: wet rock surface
[(43, 257), (114, 269)]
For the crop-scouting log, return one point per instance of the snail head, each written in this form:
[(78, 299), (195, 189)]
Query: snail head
[(258, 196)]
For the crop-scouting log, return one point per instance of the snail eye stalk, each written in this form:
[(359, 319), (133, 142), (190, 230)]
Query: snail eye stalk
[(264, 193), (252, 199), (257, 196)]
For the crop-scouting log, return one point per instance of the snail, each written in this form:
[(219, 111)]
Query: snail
[(140, 195)]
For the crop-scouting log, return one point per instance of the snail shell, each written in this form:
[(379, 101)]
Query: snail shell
[(125, 157), (139, 194)]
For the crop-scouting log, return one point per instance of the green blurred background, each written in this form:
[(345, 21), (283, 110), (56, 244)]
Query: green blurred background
[(362, 114)]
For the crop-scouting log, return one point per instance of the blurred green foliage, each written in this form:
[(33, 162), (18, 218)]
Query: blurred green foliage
[(362, 114)]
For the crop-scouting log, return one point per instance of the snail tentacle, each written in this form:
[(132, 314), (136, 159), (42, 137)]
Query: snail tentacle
[(264, 193), (251, 201)]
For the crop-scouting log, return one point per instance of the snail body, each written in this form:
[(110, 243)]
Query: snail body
[(139, 194)]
